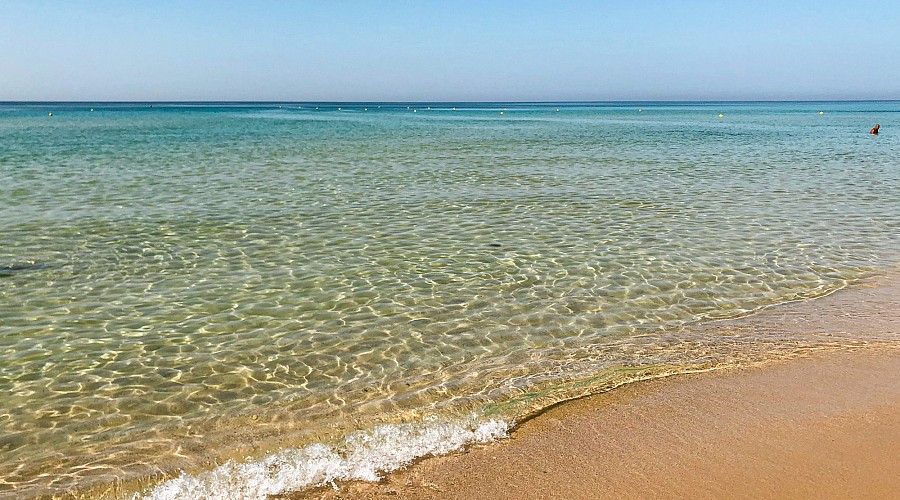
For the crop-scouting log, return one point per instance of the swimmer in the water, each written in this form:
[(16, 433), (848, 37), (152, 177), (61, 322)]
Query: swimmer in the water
[(874, 130)]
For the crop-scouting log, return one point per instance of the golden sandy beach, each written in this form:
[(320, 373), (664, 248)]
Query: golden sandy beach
[(825, 424)]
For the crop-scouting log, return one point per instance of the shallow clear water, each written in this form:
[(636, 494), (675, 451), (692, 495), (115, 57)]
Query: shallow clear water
[(184, 284)]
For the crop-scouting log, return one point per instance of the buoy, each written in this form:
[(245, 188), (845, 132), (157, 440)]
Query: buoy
[(721, 115), (49, 114)]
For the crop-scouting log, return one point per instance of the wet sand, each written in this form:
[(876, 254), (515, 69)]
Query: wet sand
[(817, 416), (826, 425)]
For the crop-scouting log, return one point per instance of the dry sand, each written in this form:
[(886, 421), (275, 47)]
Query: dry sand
[(823, 425)]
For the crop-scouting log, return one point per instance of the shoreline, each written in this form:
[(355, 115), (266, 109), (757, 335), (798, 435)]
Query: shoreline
[(824, 425), (810, 329)]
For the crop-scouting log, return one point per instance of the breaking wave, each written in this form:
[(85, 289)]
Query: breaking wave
[(363, 455)]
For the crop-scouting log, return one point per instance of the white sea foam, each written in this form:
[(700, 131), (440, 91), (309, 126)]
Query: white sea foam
[(362, 456)]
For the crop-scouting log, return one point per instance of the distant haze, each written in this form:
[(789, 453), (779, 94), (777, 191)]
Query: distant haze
[(449, 50)]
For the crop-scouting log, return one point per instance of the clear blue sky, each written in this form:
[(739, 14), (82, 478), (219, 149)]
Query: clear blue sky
[(449, 50)]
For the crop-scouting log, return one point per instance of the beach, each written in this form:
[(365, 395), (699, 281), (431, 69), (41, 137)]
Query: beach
[(240, 300), (449, 250), (826, 425), (821, 423)]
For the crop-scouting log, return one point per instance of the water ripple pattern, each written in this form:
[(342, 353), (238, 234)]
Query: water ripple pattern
[(181, 285)]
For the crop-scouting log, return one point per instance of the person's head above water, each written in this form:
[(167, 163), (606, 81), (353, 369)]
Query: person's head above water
[(875, 129)]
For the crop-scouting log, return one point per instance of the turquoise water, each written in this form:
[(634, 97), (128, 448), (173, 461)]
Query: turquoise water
[(185, 284)]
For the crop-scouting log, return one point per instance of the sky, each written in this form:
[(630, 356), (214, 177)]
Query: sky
[(450, 50)]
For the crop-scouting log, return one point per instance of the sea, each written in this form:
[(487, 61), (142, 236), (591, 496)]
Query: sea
[(235, 300)]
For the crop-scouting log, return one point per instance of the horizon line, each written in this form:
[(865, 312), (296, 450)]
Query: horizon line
[(288, 101)]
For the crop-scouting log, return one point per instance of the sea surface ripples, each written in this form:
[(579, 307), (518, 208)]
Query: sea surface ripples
[(180, 286)]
